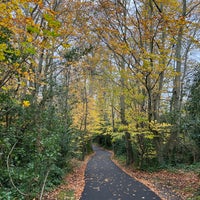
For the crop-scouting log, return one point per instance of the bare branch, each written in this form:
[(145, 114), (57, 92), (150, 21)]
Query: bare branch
[(8, 168), (43, 186), (192, 9)]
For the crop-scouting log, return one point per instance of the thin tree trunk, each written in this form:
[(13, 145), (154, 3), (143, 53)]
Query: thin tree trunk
[(113, 118), (85, 106), (129, 150)]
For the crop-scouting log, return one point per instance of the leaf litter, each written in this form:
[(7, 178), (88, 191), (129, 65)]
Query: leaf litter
[(177, 185)]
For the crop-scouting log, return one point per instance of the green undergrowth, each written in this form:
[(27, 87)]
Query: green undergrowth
[(171, 168), (66, 195), (184, 167)]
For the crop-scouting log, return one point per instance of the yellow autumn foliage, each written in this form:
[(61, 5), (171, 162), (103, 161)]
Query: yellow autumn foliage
[(26, 103)]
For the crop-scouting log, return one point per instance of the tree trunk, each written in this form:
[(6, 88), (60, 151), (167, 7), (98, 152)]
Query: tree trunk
[(85, 109), (129, 150), (113, 117), (175, 102)]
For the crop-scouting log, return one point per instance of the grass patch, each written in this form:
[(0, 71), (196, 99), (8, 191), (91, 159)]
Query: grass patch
[(121, 159), (66, 195), (194, 198), (185, 167)]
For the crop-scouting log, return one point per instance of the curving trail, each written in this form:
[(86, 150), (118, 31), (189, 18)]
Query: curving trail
[(106, 181)]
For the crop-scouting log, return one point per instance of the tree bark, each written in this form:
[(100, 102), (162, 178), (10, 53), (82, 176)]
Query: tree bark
[(176, 98), (129, 150)]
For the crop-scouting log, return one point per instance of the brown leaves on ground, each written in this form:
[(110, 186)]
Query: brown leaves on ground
[(178, 185), (185, 184), (170, 185), (74, 181)]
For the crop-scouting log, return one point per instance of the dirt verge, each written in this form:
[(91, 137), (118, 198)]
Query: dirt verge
[(73, 184), (179, 185)]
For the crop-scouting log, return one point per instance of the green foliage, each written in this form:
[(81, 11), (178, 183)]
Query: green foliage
[(121, 159), (184, 167), (193, 108), (69, 194), (7, 52), (75, 53), (33, 29), (195, 198), (28, 48), (119, 146), (41, 145), (52, 22)]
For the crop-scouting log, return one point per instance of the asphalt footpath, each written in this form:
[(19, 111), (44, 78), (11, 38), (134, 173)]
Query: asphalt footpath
[(106, 181)]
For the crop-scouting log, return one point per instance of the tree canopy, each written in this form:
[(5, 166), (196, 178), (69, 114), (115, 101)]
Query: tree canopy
[(117, 72)]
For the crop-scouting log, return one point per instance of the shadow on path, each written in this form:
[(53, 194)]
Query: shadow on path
[(106, 181)]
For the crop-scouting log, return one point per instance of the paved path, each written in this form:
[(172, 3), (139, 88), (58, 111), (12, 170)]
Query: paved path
[(105, 181)]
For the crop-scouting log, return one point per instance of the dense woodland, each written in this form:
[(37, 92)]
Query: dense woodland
[(123, 73)]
